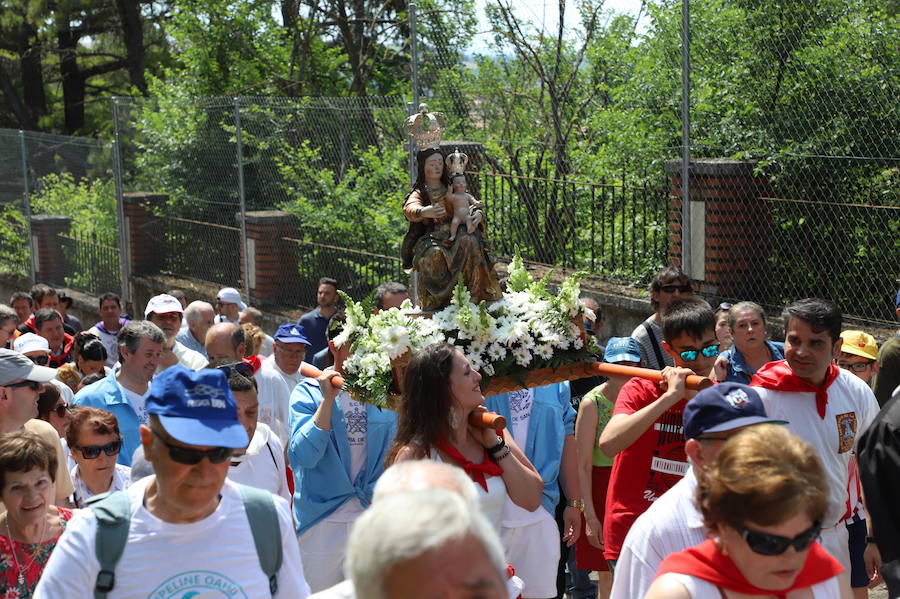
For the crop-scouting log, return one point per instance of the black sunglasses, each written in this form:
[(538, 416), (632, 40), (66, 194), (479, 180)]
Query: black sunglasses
[(62, 409), (723, 306), (242, 368), (34, 385), (190, 457), (709, 351), (92, 452), (40, 360), (674, 288), (766, 544)]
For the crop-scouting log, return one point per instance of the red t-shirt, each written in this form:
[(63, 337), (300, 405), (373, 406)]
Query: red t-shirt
[(645, 469)]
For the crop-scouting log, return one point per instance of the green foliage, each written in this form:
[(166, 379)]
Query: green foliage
[(90, 202), (13, 241)]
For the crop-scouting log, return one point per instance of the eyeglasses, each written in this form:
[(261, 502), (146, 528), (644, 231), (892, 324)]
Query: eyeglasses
[(40, 360), (242, 368), (33, 385), (92, 452), (686, 288), (709, 351), (62, 409), (855, 366), (766, 544), (190, 457)]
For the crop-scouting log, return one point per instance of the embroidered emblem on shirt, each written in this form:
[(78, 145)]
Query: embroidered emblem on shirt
[(356, 422), (846, 426), (520, 403)]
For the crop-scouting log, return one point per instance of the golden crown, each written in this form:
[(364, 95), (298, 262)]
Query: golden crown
[(429, 138), (456, 162)]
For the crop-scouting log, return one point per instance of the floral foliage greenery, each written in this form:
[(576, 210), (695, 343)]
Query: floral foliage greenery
[(527, 329)]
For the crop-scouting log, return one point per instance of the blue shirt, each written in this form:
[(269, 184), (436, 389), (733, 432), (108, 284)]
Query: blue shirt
[(187, 339), (107, 394), (320, 459), (552, 418), (315, 327), (738, 369)]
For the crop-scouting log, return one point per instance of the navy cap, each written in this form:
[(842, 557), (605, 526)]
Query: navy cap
[(197, 407), (724, 407), (622, 349), (291, 333)]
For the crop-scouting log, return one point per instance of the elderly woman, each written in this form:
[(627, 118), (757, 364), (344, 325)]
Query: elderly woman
[(95, 443), (441, 389), (31, 526), (751, 348), (762, 501), (90, 358)]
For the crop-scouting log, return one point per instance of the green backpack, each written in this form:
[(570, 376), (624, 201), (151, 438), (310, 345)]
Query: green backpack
[(113, 513)]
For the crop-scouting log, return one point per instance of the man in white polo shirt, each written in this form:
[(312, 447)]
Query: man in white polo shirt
[(278, 376), (166, 312), (824, 404)]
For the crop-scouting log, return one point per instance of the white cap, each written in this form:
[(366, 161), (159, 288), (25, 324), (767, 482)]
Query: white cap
[(14, 365), (30, 342), (163, 304), (230, 295)]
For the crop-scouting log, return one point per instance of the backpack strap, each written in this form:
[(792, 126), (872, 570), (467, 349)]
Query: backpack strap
[(113, 513), (655, 344), (263, 518)]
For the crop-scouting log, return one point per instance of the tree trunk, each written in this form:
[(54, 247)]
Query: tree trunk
[(15, 102), (72, 79), (133, 38)]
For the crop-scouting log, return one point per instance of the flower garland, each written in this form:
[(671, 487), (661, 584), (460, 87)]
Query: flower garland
[(527, 329)]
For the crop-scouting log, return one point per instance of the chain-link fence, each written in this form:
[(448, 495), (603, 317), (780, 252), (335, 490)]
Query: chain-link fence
[(799, 98)]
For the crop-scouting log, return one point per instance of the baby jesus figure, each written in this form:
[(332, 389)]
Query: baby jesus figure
[(463, 206)]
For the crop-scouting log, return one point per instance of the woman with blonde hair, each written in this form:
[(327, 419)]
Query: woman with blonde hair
[(762, 501)]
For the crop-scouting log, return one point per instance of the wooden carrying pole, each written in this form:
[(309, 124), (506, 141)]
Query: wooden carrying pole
[(545, 376)]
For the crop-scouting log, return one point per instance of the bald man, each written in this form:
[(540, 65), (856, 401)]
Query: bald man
[(225, 341)]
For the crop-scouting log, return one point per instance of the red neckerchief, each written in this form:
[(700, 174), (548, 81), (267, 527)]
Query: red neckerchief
[(254, 361), (706, 562), (778, 376), (476, 472)]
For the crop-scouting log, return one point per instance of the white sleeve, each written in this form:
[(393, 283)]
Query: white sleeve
[(633, 575), (278, 452), (72, 569), (291, 580)]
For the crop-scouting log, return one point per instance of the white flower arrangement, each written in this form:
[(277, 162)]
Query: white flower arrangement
[(527, 329)]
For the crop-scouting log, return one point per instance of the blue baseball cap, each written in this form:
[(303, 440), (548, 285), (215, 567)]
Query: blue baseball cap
[(724, 407), (291, 333), (197, 407), (622, 349)]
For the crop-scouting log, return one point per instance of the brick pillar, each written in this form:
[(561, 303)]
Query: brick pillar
[(273, 261), (730, 226), (144, 232), (49, 261)]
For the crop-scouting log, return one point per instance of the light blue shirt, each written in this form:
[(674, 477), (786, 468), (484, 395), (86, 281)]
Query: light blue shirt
[(187, 339), (552, 418), (320, 459)]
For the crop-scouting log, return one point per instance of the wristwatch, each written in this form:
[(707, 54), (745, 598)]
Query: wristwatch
[(576, 503)]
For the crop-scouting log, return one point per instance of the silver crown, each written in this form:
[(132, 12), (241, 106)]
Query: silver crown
[(456, 162), (426, 139)]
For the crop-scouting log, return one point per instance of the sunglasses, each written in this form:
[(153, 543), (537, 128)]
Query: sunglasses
[(92, 452), (63, 409), (673, 288), (242, 368), (33, 385), (40, 360), (766, 544), (709, 351), (190, 457), (723, 306), (856, 366)]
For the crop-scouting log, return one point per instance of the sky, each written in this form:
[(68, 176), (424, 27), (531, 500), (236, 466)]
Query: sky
[(541, 11)]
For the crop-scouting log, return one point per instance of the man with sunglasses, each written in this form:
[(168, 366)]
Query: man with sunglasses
[(645, 433), (826, 405), (673, 523), (189, 530), (21, 381), (671, 283)]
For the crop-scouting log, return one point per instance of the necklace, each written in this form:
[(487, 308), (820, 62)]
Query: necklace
[(21, 570)]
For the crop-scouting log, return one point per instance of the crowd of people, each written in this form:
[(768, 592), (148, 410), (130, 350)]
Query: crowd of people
[(191, 454)]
